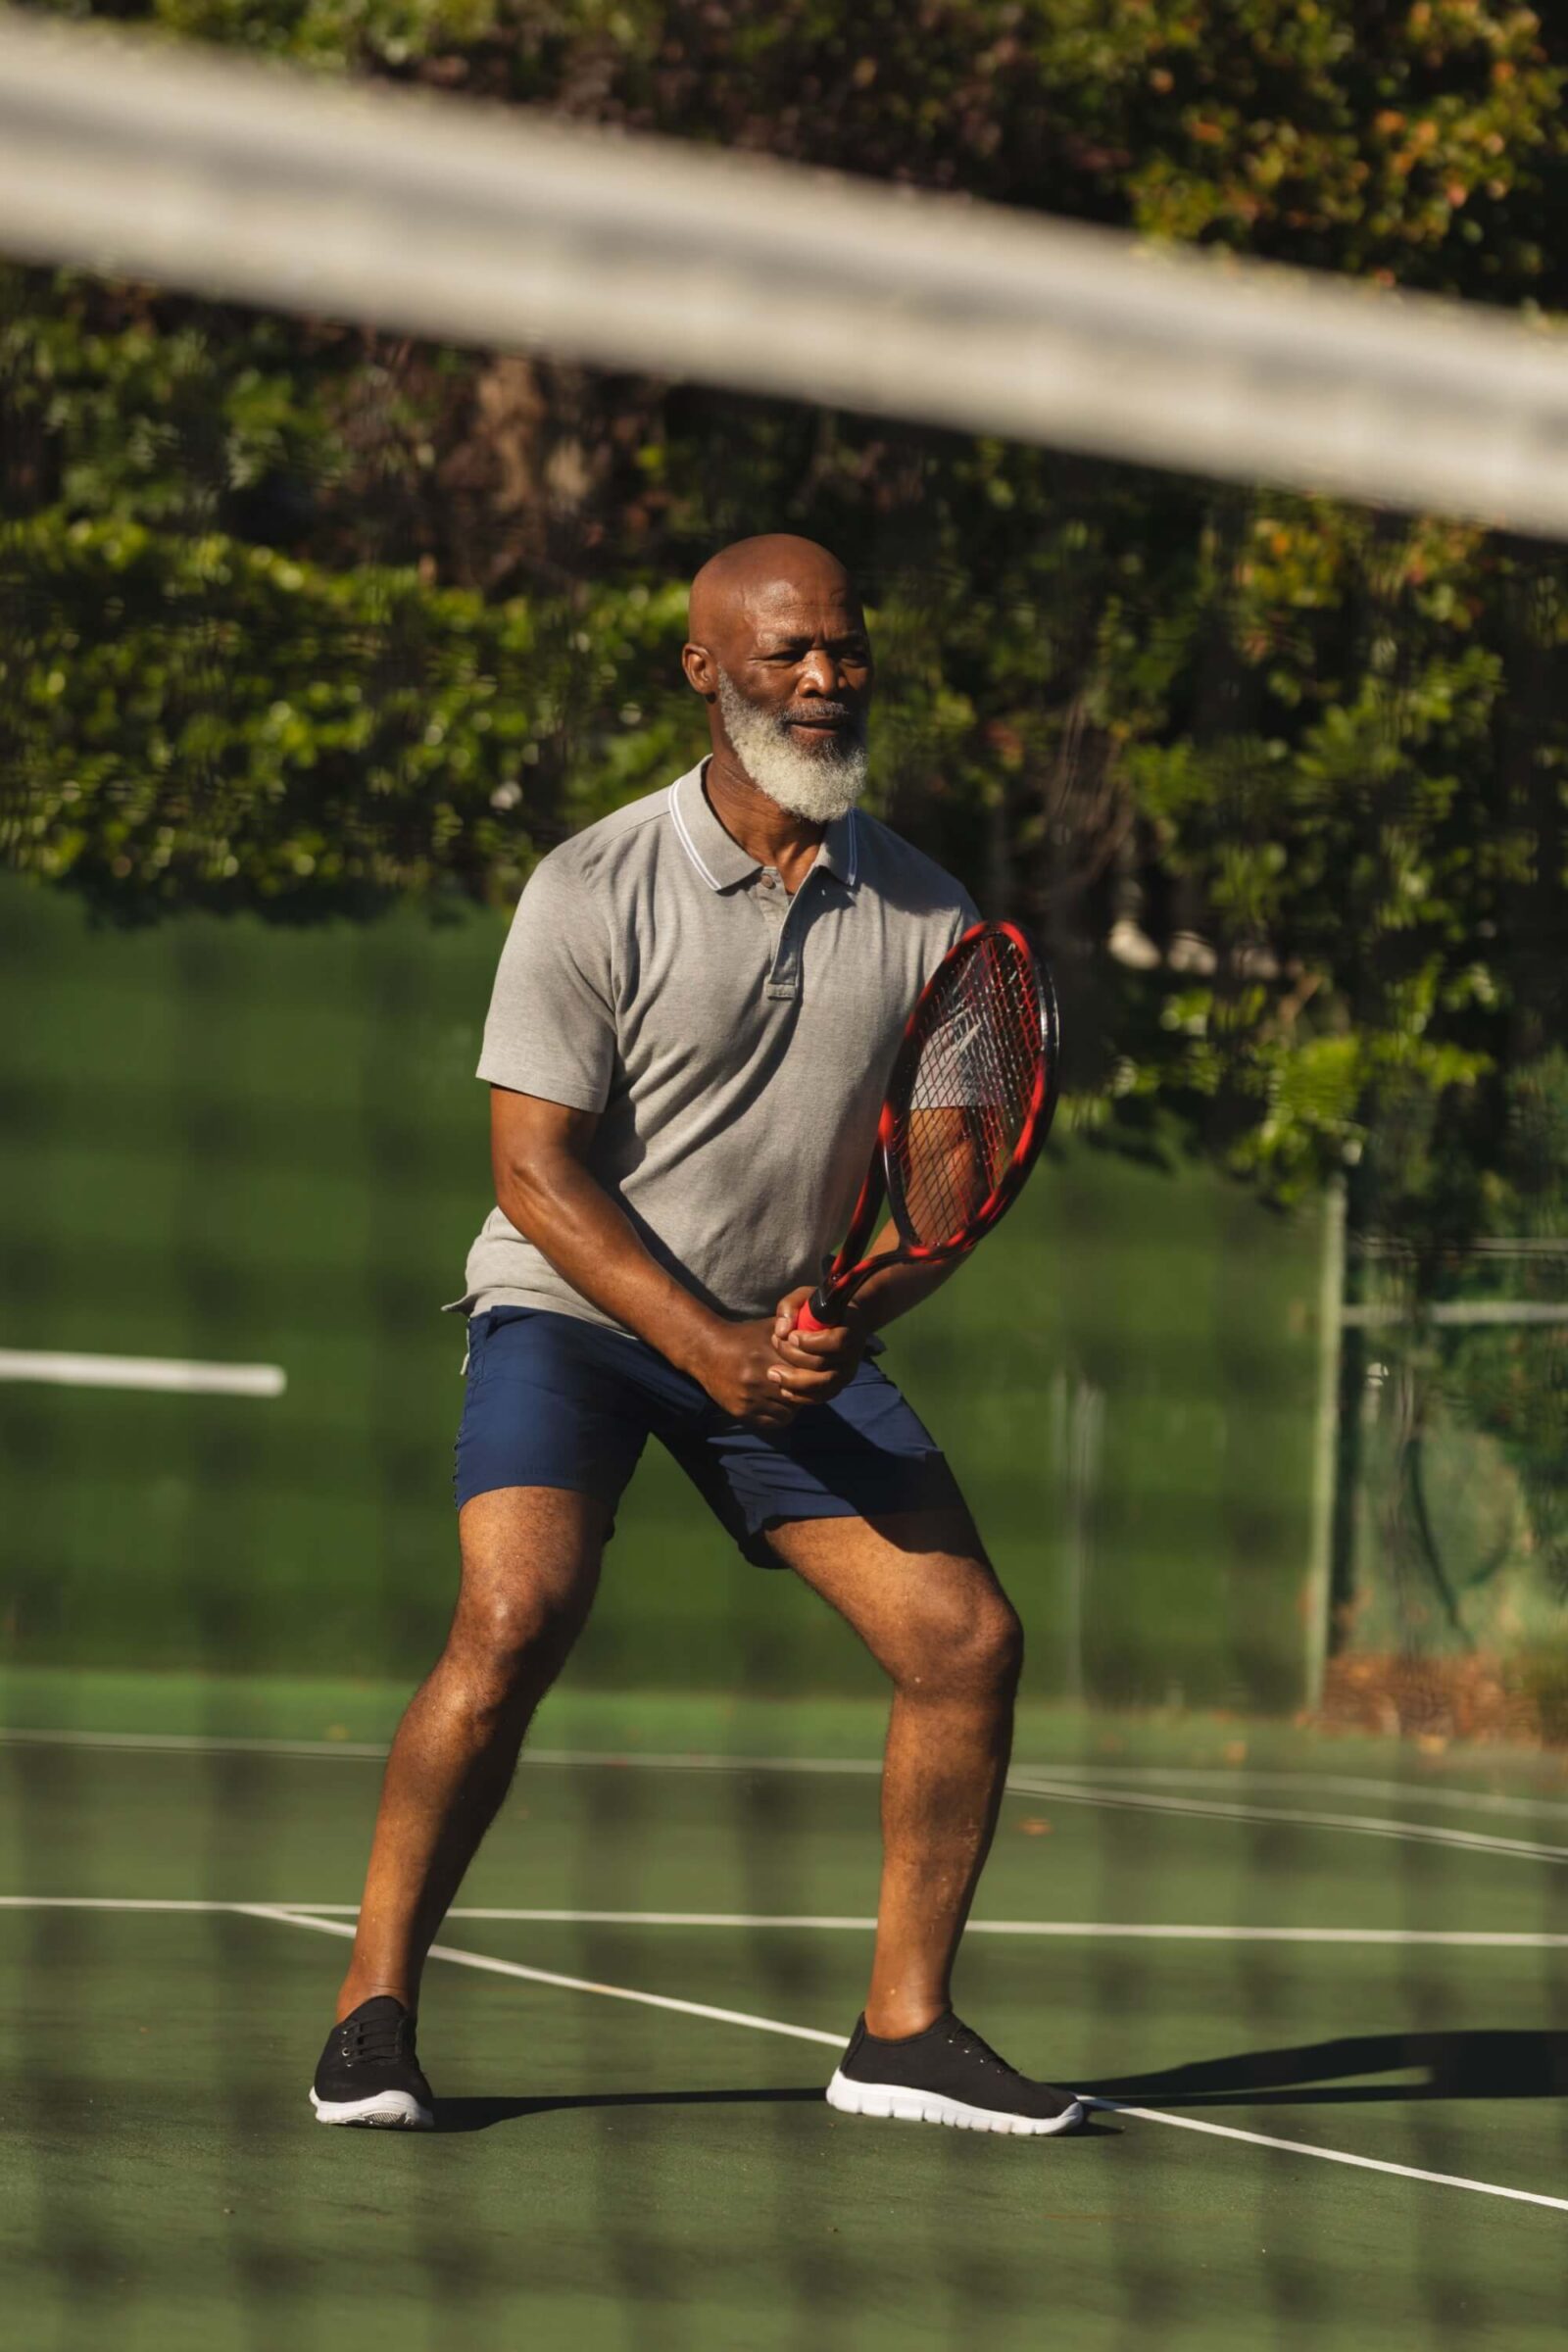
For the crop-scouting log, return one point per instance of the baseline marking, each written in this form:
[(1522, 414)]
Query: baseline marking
[(199, 1743), (1164, 1776), (768, 2025), (108, 1903), (1026, 1782), (1159, 1931)]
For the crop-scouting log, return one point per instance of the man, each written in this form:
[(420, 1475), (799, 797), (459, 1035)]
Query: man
[(695, 1009)]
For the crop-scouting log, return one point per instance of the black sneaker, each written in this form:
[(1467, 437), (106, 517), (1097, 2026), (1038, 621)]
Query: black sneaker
[(947, 2075), (369, 2073)]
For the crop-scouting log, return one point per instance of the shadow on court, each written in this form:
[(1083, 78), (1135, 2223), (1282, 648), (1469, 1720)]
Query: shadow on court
[(479, 2115), (1488, 2063)]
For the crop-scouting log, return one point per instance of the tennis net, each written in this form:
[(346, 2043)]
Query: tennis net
[(356, 447), (444, 219)]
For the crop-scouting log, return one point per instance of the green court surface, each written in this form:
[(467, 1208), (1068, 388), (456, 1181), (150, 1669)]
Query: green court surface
[(1139, 1443), (1322, 1973)]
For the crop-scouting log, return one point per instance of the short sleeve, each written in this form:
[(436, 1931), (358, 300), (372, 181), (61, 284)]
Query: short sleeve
[(551, 1028), (950, 928)]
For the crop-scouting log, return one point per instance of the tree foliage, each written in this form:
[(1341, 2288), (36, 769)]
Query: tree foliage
[(298, 616)]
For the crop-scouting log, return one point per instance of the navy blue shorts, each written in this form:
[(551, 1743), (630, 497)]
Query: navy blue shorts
[(553, 1401)]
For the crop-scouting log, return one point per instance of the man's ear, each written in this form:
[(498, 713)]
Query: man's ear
[(701, 670)]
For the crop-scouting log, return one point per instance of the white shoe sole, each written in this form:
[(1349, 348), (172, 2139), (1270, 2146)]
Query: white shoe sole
[(896, 2106), (388, 2111)]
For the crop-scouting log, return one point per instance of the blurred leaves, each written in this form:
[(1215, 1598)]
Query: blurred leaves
[(195, 720), (298, 616)]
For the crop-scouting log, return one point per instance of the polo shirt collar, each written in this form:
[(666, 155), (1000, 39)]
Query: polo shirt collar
[(839, 852), (720, 858)]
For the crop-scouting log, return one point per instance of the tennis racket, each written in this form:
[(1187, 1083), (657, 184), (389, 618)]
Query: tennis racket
[(967, 1108)]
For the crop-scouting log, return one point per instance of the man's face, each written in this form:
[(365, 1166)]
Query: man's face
[(802, 657), (794, 693)]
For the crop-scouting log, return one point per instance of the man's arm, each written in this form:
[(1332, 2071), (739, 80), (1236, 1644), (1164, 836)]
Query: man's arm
[(538, 1151)]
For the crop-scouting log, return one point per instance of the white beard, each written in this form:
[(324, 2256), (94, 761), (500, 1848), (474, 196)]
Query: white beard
[(817, 786)]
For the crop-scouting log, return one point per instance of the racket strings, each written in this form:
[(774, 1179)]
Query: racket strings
[(974, 1086)]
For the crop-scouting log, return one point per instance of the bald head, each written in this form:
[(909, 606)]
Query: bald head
[(773, 570), (778, 651)]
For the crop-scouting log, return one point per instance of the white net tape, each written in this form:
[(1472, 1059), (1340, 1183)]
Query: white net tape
[(445, 218)]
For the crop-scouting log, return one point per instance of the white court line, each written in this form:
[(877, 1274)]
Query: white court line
[(375, 1750), (769, 2025), (1304, 2147), (1030, 1780), (1343, 1784), (198, 1743), (1159, 1931), (1458, 1939), (1161, 1776), (545, 1976), (290, 1917), (1362, 1825), (170, 1373), (109, 1902)]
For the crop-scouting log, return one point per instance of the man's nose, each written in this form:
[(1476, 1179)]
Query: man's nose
[(821, 673)]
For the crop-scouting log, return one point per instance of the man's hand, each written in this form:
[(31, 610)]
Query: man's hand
[(812, 1366), (738, 1365)]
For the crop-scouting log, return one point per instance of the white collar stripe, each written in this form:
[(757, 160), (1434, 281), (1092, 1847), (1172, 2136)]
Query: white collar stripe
[(688, 843), (683, 833)]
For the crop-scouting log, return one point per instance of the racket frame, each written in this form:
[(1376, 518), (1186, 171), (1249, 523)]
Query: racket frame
[(844, 1273)]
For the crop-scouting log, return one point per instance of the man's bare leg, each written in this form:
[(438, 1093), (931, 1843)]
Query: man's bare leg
[(923, 1596), (530, 1567)]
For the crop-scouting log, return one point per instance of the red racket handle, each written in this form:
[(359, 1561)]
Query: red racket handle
[(807, 1321)]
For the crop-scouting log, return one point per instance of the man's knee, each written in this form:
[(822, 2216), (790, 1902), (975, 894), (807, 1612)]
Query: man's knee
[(990, 1655), (511, 1645), (973, 1651), (531, 1565)]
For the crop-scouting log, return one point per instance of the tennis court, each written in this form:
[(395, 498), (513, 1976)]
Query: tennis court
[(1177, 386), (1318, 1986)]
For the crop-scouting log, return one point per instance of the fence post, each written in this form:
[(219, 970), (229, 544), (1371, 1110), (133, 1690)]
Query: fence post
[(1319, 1594)]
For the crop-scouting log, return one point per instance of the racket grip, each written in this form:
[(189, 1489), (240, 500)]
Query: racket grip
[(807, 1321)]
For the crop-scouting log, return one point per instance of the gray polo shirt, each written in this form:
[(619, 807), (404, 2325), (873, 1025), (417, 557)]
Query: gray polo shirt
[(734, 1041)]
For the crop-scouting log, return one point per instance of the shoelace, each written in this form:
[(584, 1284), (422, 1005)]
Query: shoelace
[(373, 2040), (964, 2038)]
